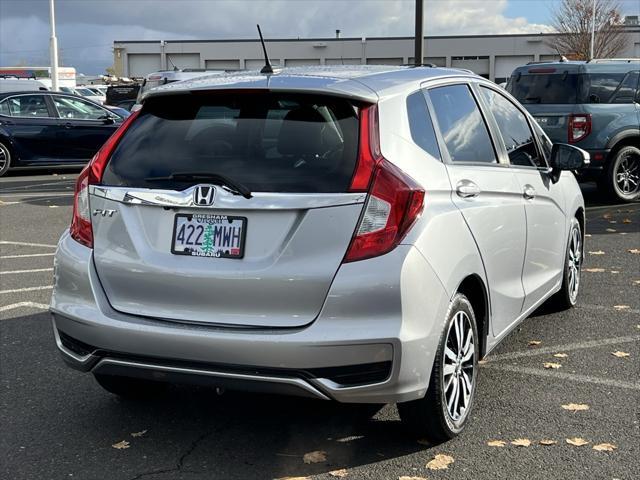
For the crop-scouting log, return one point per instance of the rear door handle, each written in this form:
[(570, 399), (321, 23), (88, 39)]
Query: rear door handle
[(467, 189), (529, 192)]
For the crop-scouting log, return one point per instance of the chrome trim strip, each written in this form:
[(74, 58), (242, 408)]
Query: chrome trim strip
[(224, 199), (297, 382)]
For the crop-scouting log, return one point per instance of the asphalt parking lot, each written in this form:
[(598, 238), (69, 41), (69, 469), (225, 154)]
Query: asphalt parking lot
[(57, 423)]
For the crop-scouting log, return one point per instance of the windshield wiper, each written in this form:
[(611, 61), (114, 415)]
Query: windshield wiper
[(215, 178)]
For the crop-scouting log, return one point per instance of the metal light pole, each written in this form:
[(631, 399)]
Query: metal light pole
[(593, 28), (53, 47), (418, 54)]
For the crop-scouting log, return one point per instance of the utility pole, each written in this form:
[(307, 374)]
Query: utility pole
[(53, 47), (593, 28), (418, 54)]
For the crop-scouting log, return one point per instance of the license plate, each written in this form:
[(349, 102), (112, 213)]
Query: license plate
[(205, 235)]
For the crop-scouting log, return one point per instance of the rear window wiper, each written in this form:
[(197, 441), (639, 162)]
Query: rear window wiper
[(215, 178)]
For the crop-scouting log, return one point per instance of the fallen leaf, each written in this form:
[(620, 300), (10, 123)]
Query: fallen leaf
[(576, 407), (611, 230), (521, 442), (138, 434), (635, 251), (551, 365), (121, 445), (440, 462), (547, 443), (597, 252), (605, 447), (496, 443), (593, 270), (316, 456), (636, 282), (404, 477), (534, 343), (560, 355), (482, 362), (577, 441), (620, 354), (626, 220), (621, 307), (339, 473)]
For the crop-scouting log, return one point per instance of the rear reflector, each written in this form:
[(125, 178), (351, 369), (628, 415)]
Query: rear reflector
[(394, 202), (81, 229)]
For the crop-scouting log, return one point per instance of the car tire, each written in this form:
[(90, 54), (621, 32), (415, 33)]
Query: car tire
[(567, 297), (621, 179), (127, 387), (5, 158), (439, 415)]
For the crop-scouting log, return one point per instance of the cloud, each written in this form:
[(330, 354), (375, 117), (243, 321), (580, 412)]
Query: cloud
[(87, 29)]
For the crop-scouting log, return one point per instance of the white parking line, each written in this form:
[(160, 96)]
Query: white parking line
[(562, 348), (25, 244), (13, 306), (37, 195), (33, 270), (28, 289), (566, 376), (28, 255), (62, 181)]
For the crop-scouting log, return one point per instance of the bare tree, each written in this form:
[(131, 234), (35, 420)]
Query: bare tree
[(572, 20)]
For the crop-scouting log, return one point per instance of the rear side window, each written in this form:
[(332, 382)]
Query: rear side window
[(420, 124), (611, 87), (462, 125), (545, 88), (26, 106), (514, 128), (269, 142)]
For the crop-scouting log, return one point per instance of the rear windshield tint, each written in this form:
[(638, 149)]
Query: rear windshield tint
[(556, 88), (269, 142)]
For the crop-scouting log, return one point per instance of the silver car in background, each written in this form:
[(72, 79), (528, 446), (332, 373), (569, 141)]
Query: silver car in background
[(359, 234)]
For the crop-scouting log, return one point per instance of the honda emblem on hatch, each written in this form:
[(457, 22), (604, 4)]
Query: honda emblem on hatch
[(203, 195)]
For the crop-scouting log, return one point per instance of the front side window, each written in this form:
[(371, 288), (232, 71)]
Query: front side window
[(420, 124), (76, 109), (27, 106), (462, 125), (514, 128)]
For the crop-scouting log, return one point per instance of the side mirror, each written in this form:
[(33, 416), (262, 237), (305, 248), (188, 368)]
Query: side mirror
[(567, 157), (108, 121)]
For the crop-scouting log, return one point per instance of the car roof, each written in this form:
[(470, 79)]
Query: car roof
[(608, 66), (363, 82)]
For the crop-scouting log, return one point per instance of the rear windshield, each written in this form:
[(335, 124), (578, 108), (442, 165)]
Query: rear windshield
[(571, 88), (545, 88), (269, 142)]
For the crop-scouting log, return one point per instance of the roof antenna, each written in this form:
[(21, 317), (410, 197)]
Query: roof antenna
[(267, 65)]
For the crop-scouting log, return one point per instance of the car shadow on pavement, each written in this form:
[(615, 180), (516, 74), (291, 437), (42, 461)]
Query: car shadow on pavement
[(259, 435)]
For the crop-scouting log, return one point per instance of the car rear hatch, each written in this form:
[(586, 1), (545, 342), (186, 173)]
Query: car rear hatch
[(174, 240), (550, 93)]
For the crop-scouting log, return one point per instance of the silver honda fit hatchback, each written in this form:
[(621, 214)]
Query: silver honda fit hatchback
[(359, 234)]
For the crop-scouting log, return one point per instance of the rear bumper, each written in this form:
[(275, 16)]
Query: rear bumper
[(373, 342), (596, 166)]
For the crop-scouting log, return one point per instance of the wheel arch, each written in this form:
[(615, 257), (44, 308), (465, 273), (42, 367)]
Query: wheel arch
[(474, 289), (623, 139)]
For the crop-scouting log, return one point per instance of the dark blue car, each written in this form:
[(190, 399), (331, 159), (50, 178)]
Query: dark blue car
[(50, 128)]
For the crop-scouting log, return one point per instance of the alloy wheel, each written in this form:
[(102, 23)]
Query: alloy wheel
[(627, 174), (459, 367), (4, 157), (574, 262)]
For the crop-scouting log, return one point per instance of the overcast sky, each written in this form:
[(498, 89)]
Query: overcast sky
[(87, 28)]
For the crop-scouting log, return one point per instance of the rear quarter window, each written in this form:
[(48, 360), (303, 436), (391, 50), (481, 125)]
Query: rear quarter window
[(269, 142)]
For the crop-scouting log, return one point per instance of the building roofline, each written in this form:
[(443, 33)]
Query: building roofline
[(342, 39)]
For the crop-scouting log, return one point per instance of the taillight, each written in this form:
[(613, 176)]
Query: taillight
[(579, 127), (394, 202), (81, 229)]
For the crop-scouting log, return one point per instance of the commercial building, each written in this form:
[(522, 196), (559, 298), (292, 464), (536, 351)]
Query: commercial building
[(492, 56)]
